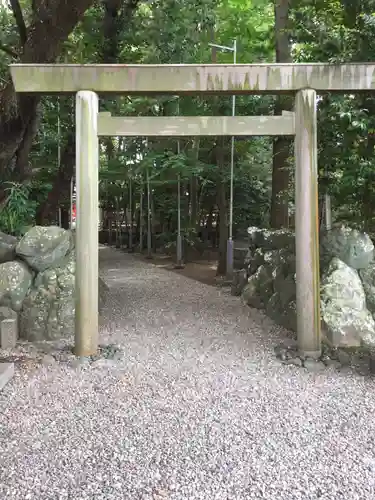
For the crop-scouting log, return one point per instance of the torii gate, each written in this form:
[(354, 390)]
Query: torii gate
[(303, 80)]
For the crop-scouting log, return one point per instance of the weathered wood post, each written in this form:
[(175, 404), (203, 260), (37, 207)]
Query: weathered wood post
[(87, 246), (307, 224)]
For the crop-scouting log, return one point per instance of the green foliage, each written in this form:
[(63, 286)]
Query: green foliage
[(18, 210), (176, 31)]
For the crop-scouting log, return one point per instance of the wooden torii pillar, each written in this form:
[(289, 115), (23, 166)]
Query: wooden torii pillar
[(301, 80)]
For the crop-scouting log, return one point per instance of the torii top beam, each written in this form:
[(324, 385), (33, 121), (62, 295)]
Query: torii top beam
[(192, 78)]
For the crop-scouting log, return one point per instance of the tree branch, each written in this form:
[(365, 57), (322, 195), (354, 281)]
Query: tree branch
[(9, 51), (17, 12)]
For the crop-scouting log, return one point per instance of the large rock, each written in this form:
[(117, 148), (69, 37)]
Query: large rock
[(281, 266), (258, 289), (44, 247), (239, 256), (349, 245), (279, 239), (289, 317), (255, 258), (285, 286), (15, 281), (271, 240), (368, 281), (283, 313), (347, 304), (239, 282), (7, 247), (282, 260), (345, 317), (48, 310), (256, 237)]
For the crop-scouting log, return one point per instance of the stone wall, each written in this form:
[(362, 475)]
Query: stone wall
[(37, 283), (268, 281)]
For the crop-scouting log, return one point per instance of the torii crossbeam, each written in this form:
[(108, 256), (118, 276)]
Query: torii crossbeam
[(192, 78)]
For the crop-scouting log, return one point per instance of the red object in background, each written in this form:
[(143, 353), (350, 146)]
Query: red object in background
[(74, 212)]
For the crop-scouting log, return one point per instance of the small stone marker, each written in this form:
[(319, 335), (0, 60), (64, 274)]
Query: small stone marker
[(8, 333), (6, 373)]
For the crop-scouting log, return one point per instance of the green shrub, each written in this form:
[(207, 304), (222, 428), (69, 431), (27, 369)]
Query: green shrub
[(18, 210)]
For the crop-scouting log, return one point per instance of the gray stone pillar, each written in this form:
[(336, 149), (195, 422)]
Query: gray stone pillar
[(307, 225), (87, 247)]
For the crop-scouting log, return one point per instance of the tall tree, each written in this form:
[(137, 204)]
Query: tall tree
[(282, 144), (40, 41), (116, 15)]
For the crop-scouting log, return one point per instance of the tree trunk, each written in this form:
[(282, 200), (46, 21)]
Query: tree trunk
[(223, 210), (281, 145), (194, 189), (185, 203), (61, 184), (209, 226), (42, 42), (221, 186), (368, 200), (49, 29), (65, 218)]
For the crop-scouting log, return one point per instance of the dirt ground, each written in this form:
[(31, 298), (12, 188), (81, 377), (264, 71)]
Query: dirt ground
[(202, 270)]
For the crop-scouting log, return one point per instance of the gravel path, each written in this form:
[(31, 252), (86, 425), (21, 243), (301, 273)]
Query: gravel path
[(198, 408)]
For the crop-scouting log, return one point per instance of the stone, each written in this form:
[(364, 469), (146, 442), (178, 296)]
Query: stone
[(290, 343), (7, 313), (279, 350), (289, 316), (238, 282), (248, 257), (346, 310), (265, 287), (281, 266), (104, 363), (345, 317), (239, 256), (7, 247), (293, 361), (372, 363), (273, 308), (344, 357), (280, 239), (80, 362), (15, 281), (8, 333), (352, 247), (48, 360), (282, 314), (119, 356), (48, 311), (44, 247), (368, 281), (314, 366), (256, 261), (271, 240), (250, 295), (6, 373), (332, 363), (256, 236), (286, 288), (258, 289)]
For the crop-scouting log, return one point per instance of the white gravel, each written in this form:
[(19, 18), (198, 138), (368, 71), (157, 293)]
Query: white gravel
[(198, 408)]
